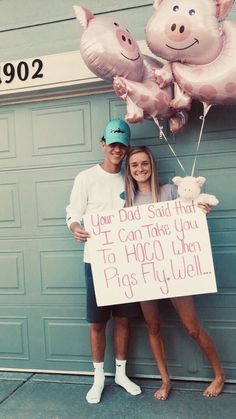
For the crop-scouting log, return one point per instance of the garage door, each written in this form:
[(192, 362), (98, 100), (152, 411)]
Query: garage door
[(43, 145)]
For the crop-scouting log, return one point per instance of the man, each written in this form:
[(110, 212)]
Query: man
[(95, 190)]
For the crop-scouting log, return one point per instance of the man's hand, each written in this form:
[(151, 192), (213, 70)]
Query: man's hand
[(80, 235)]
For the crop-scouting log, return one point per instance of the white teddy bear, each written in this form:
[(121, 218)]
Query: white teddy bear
[(189, 188)]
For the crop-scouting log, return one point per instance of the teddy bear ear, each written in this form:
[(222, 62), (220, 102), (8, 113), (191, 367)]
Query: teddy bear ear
[(201, 180), (177, 180)]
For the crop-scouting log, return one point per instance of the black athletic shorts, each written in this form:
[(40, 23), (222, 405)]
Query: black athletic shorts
[(97, 314)]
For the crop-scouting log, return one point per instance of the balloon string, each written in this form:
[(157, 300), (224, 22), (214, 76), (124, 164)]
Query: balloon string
[(203, 118), (171, 148)]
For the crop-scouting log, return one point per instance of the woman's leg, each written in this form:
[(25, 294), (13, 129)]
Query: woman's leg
[(186, 311), (151, 316)]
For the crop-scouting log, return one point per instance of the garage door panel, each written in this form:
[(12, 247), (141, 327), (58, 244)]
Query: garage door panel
[(223, 333), (214, 130), (10, 204), (59, 131), (225, 256), (8, 135), (66, 339), (62, 272), (12, 275), (61, 128), (51, 201), (15, 344), (218, 135), (42, 272), (220, 181)]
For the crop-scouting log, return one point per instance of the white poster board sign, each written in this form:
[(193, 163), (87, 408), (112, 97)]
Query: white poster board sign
[(150, 252)]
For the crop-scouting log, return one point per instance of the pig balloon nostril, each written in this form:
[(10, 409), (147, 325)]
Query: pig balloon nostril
[(181, 29), (173, 27)]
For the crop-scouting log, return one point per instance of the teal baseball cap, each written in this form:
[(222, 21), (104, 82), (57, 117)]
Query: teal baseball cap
[(117, 131)]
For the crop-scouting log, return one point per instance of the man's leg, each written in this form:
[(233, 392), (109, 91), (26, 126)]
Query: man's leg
[(121, 336), (185, 308), (97, 317), (98, 345), (98, 341)]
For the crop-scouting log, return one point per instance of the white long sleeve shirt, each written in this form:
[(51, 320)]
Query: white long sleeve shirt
[(94, 191)]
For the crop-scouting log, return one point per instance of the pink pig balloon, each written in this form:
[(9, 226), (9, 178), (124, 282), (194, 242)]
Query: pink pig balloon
[(110, 52), (107, 48), (201, 50)]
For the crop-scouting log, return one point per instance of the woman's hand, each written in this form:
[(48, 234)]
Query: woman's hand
[(206, 208)]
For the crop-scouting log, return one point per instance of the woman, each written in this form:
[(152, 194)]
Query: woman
[(141, 187)]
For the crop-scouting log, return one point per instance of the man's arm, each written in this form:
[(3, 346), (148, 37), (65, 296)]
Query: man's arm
[(77, 208)]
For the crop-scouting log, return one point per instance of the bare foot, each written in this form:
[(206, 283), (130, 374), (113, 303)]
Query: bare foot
[(215, 388), (163, 392)]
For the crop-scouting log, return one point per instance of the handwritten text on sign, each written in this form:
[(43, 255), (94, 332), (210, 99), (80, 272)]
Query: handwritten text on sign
[(150, 252)]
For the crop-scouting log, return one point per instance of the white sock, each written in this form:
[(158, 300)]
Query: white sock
[(122, 380), (94, 394)]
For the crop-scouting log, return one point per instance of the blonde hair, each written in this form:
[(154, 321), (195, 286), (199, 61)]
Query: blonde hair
[(131, 186)]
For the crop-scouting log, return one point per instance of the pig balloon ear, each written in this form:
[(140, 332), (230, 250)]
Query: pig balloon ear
[(83, 16), (222, 8), (157, 3)]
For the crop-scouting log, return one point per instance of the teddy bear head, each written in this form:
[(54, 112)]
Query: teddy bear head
[(189, 187)]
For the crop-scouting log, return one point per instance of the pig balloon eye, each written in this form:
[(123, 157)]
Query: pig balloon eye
[(191, 12), (116, 24), (175, 8)]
